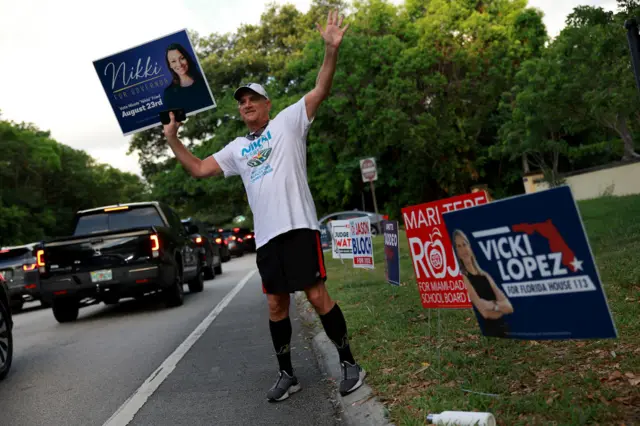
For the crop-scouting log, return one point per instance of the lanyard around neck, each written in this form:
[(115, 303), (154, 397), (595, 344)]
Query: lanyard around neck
[(257, 133)]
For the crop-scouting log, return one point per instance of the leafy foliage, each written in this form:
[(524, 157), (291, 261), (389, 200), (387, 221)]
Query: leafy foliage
[(445, 95), (43, 183)]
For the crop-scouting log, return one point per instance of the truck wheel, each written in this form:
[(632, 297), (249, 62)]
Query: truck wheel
[(174, 294), (196, 285), (66, 310), (16, 305), (111, 300), (6, 342)]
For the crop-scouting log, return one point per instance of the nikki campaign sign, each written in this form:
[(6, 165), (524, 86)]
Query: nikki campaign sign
[(529, 270), (437, 274), (160, 75)]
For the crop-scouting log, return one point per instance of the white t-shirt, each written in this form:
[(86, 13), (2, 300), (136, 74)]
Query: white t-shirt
[(273, 168)]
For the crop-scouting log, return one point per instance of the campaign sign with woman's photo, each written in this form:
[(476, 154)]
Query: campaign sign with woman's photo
[(161, 75), (528, 268)]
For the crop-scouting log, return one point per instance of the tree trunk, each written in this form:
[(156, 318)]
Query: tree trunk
[(554, 169), (623, 130), (525, 163)]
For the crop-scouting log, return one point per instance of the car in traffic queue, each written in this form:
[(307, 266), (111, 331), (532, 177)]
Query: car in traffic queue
[(218, 239), (211, 258), (248, 238), (18, 265), (353, 214), (6, 330), (233, 242), (119, 251)]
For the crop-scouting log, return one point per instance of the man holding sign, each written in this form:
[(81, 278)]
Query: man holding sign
[(271, 160)]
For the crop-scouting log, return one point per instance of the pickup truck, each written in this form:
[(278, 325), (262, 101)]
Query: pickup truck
[(119, 251)]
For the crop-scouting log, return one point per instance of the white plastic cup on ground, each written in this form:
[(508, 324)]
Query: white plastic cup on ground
[(462, 418)]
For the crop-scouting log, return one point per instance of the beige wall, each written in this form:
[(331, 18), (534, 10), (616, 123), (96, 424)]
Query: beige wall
[(622, 180)]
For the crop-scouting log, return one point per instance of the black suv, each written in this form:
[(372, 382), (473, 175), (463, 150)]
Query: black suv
[(6, 330), (211, 258), (18, 265)]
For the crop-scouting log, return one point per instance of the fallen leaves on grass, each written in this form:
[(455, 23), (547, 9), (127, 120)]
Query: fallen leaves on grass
[(420, 317), (615, 376), (425, 365), (633, 379), (554, 395)]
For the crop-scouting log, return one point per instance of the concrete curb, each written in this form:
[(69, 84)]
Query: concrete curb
[(358, 408)]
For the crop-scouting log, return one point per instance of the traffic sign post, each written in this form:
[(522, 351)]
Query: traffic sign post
[(369, 174)]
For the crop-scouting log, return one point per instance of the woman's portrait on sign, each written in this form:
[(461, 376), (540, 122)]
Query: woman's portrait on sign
[(188, 88), (488, 300)]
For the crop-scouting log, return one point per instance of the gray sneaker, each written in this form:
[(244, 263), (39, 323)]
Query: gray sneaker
[(285, 386), (352, 378)]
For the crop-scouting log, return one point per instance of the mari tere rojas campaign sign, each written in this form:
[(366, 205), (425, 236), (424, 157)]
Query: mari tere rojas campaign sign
[(159, 75), (362, 246), (437, 274), (529, 268)]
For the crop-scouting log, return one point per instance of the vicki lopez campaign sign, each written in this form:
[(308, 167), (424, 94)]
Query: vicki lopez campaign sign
[(530, 269), (437, 273), (160, 75)]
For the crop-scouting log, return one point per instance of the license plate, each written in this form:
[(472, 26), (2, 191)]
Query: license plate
[(103, 275)]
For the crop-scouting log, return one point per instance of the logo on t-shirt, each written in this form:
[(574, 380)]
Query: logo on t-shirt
[(256, 145), (256, 155), (259, 158)]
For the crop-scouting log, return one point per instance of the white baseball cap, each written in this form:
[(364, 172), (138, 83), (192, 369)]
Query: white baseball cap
[(253, 87)]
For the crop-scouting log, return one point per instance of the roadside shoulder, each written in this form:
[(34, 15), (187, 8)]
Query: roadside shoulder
[(358, 408)]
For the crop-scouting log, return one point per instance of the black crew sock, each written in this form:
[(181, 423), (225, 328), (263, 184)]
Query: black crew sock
[(281, 336), (336, 328)]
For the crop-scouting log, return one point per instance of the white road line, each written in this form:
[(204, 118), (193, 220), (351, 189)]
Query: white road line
[(131, 406)]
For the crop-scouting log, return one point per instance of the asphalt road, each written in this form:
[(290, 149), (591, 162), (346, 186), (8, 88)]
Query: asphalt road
[(90, 371)]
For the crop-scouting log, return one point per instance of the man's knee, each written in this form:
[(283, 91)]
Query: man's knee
[(319, 297), (278, 306)]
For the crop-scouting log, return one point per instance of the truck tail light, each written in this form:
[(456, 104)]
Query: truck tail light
[(29, 266), (219, 240), (248, 237), (155, 245), (40, 260), (199, 240)]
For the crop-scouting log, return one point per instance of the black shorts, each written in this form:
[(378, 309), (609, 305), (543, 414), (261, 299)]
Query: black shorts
[(291, 262)]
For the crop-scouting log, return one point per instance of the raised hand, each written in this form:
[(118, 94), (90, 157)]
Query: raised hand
[(333, 33)]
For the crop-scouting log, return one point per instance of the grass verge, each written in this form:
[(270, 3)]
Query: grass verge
[(419, 365)]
